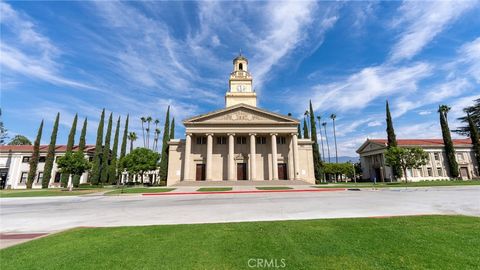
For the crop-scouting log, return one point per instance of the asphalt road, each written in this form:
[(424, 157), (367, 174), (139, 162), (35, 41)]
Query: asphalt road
[(50, 214)]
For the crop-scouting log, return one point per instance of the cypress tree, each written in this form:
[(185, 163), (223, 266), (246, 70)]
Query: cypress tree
[(47, 171), (447, 141), (97, 157), (166, 135), (172, 129), (475, 138), (70, 143), (106, 157), (299, 131), (123, 148), (317, 161), (32, 173), (305, 129), (81, 147), (392, 139), (113, 165)]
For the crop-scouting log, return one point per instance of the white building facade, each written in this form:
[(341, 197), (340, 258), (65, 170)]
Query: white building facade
[(372, 159), (14, 165)]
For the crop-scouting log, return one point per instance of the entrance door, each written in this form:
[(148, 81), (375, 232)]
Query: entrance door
[(200, 172), (3, 178), (241, 171), (464, 172), (282, 171)]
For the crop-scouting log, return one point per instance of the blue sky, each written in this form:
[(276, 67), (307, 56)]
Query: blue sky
[(139, 57)]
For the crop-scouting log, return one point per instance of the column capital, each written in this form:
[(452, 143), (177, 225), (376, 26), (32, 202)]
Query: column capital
[(230, 134), (188, 134), (273, 134), (252, 134), (294, 134), (208, 134)]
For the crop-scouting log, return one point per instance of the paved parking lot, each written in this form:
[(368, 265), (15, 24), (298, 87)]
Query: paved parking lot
[(49, 214)]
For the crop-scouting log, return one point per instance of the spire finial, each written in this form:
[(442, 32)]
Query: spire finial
[(240, 52)]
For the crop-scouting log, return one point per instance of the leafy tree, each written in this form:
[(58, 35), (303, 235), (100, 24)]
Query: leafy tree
[(339, 169), (317, 160), (475, 139), (140, 160), (406, 158), (106, 157), (132, 136), (70, 143), (3, 130), (305, 129), (392, 139), (20, 140), (447, 141), (81, 148), (172, 129), (113, 164), (73, 163), (32, 173), (47, 171), (164, 155), (474, 112), (97, 157)]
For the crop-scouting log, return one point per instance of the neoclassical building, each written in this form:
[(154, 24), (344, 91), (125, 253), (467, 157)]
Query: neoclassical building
[(240, 142)]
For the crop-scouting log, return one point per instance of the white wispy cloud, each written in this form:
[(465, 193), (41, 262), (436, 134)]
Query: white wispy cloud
[(421, 22), (26, 51)]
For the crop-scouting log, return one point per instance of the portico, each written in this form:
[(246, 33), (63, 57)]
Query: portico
[(240, 142)]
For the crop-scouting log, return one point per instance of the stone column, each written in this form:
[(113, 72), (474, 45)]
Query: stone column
[(295, 157), (253, 153), (291, 173), (274, 156), (231, 156), (208, 174), (188, 150)]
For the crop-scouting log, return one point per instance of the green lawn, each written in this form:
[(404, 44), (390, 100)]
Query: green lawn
[(215, 189), (428, 242), (273, 188), (401, 184), (45, 192), (138, 190)]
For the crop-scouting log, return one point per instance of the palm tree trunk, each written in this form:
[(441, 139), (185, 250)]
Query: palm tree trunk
[(326, 140), (131, 145), (335, 139), (321, 141), (143, 134)]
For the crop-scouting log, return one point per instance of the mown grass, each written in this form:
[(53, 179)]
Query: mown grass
[(215, 189), (426, 242), (272, 188), (138, 190), (45, 192)]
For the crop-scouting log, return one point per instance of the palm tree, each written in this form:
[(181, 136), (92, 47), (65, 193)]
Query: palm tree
[(155, 140), (324, 124), (132, 136), (444, 109), (143, 129), (333, 116), (321, 140), (149, 119)]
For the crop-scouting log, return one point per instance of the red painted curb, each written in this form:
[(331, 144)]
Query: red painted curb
[(243, 191), (21, 236)]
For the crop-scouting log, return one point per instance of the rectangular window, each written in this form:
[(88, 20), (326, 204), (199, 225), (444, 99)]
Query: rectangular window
[(26, 159), (459, 156), (281, 140), (42, 159), (241, 140), (23, 177), (439, 171), (201, 140), (261, 140), (437, 156), (430, 172), (221, 140), (40, 177)]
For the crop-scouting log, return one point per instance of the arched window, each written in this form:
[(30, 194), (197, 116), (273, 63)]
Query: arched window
[(240, 66)]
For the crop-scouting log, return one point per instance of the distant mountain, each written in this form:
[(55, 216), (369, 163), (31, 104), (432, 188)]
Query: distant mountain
[(343, 159)]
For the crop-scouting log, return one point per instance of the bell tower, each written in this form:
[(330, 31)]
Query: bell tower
[(240, 84)]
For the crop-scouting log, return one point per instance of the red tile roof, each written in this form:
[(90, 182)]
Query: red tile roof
[(424, 142), (43, 148)]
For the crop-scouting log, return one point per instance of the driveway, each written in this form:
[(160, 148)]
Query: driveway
[(50, 214)]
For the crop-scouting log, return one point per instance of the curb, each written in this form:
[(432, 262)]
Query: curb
[(243, 191)]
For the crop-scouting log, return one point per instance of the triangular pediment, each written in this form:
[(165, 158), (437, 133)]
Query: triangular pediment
[(369, 145), (241, 114)]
